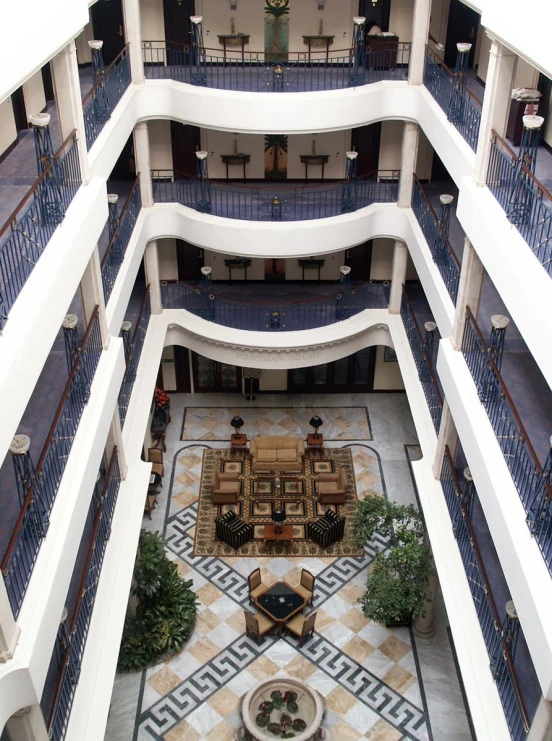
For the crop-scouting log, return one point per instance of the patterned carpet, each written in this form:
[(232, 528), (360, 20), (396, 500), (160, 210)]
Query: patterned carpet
[(258, 497), (339, 423)]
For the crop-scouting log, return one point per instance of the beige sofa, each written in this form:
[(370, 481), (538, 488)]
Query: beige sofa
[(279, 453)]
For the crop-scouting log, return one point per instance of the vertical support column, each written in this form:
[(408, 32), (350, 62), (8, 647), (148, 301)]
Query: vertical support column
[(448, 436), (541, 728), (131, 12), (424, 627), (420, 34), (469, 289), (92, 294), (409, 155), (496, 104), (143, 166), (400, 260), (27, 725), (151, 265), (115, 438), (9, 630), (65, 77)]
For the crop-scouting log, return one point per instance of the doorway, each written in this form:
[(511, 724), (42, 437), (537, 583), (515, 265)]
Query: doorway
[(353, 374), (210, 375), (176, 16), (366, 141), (108, 25), (19, 112), (463, 23), (359, 259), (274, 270), (185, 141), (189, 260)]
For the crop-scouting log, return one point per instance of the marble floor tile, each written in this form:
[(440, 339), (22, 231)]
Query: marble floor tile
[(340, 701)]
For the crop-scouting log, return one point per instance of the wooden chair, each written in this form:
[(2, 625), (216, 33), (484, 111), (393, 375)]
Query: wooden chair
[(225, 487), (301, 626), (256, 586), (258, 625), (155, 456), (306, 587), (332, 487)]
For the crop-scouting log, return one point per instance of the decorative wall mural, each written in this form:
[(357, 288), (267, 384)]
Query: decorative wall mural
[(275, 147), (276, 30)]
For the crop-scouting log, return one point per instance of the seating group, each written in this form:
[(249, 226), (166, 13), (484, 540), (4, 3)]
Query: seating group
[(327, 529), (233, 530)]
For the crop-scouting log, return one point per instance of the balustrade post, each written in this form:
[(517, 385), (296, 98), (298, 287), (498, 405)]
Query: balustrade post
[(506, 637), (348, 198), (486, 385), (27, 725), (468, 492), (496, 104), (151, 266), (420, 35), (115, 439), (400, 261), (133, 33), (65, 75), (278, 78), (203, 187), (447, 437), (357, 57), (409, 155), (197, 57), (49, 194), (71, 340), (9, 630), (143, 165), (429, 339), (521, 200), (540, 516), (126, 334), (102, 108), (23, 466), (206, 279), (440, 248), (469, 291), (276, 209), (114, 224), (457, 100), (344, 297)]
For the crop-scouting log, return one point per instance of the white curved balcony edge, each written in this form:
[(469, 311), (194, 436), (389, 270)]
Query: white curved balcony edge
[(524, 567), (47, 591)]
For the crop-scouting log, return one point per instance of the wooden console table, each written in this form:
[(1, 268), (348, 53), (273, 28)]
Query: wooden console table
[(324, 42), (315, 160), (238, 263), (237, 159), (385, 48), (234, 39), (309, 264)]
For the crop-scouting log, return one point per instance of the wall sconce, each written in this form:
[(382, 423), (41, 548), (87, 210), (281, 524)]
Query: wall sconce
[(233, 4), (320, 4)]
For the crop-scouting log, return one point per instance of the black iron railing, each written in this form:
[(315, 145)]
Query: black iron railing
[(489, 619)]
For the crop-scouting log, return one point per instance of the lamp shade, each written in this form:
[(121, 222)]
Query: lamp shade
[(316, 422), (236, 423), (278, 513)]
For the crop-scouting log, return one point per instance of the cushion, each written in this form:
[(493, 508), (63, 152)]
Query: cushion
[(266, 455), (286, 455), (231, 486)]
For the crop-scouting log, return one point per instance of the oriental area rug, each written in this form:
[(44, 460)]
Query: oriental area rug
[(258, 497)]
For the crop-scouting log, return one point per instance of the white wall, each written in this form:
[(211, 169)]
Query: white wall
[(387, 375), (168, 368), (438, 22), (160, 145), (400, 19), (328, 271), (81, 43), (526, 75), (166, 252), (382, 260), (274, 379), (8, 132), (151, 20), (334, 143), (33, 94), (222, 142), (390, 150)]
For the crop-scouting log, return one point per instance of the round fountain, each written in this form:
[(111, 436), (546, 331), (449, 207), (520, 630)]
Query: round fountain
[(283, 708)]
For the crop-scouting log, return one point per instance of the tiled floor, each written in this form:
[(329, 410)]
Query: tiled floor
[(373, 678)]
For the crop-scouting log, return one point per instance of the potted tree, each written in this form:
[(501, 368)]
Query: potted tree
[(398, 582)]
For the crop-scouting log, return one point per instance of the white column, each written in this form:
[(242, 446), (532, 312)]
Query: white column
[(496, 104), (420, 34), (409, 155), (448, 436), (27, 725), (400, 260), (67, 91), (469, 289), (92, 294), (541, 728), (115, 437), (424, 627), (142, 159), (9, 630), (131, 11), (151, 265)]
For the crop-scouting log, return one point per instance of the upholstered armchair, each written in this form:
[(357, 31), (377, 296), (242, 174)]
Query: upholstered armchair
[(327, 529), (233, 530), (225, 487), (332, 487)]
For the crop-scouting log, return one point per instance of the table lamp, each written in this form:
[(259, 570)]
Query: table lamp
[(316, 422), (278, 516), (237, 424)]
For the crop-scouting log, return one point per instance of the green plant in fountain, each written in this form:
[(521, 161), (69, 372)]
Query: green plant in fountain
[(398, 582), (165, 610)]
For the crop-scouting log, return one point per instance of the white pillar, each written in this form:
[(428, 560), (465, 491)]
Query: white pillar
[(27, 725), (92, 294), (151, 265), (424, 627), (469, 290), (67, 91), (142, 159), (448, 436), (131, 11), (400, 260), (541, 728), (496, 104), (115, 437), (409, 155), (9, 630), (420, 35)]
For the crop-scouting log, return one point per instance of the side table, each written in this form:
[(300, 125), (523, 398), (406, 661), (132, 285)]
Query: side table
[(315, 443), (238, 443)]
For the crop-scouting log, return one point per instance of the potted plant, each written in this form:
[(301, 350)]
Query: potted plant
[(398, 582), (162, 608)]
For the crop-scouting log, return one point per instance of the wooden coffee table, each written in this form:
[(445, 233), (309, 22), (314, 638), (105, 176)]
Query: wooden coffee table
[(270, 534)]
